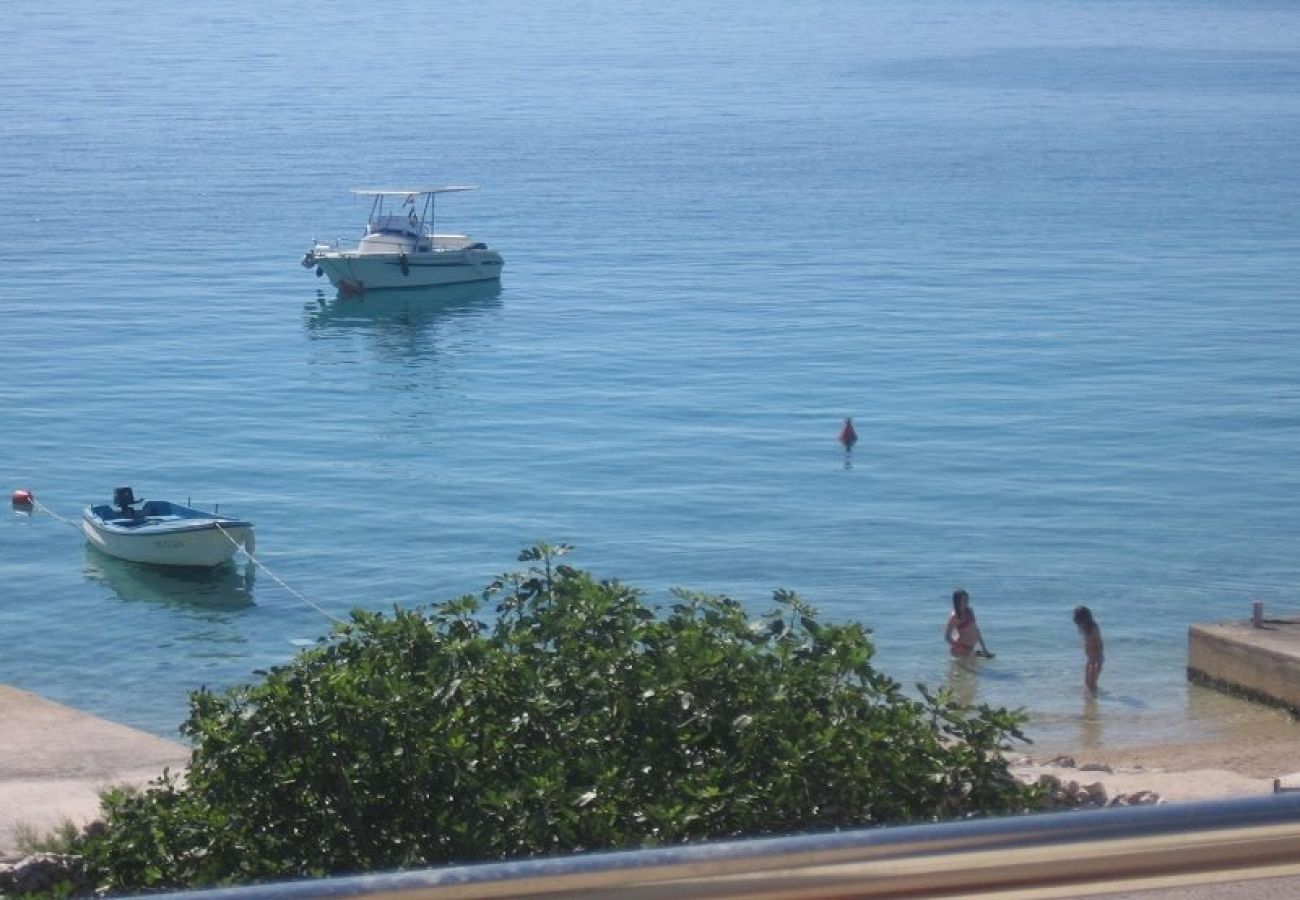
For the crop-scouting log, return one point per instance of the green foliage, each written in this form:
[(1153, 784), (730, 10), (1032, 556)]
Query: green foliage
[(553, 714)]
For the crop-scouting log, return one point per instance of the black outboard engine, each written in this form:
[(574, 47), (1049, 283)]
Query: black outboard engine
[(123, 498)]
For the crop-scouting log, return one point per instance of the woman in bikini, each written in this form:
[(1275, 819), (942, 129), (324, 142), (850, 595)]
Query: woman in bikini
[(962, 631)]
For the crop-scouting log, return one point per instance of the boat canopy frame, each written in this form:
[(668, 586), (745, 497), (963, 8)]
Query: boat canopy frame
[(411, 197)]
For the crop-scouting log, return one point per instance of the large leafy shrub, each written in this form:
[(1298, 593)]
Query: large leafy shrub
[(554, 714)]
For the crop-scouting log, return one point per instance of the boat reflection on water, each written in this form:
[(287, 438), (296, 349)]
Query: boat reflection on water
[(413, 308), (225, 588), (401, 326)]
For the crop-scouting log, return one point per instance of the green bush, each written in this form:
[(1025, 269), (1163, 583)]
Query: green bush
[(570, 717)]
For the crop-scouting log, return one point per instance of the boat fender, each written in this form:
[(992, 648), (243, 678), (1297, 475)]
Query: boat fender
[(404, 265), (319, 271), (23, 500)]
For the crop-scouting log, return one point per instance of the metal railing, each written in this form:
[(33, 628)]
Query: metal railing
[(1050, 854)]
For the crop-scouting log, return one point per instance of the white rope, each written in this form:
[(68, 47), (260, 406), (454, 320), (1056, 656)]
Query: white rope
[(278, 580), (41, 507)]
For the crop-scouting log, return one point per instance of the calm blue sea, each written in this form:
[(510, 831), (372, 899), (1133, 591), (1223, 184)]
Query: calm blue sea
[(1044, 252)]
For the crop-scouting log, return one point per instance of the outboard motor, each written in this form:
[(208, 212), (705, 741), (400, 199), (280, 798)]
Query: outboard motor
[(123, 497)]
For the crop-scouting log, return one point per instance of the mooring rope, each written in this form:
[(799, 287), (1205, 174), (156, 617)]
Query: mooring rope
[(41, 507), (278, 580)]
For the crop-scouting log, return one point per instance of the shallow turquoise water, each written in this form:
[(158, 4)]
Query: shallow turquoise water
[(1043, 253)]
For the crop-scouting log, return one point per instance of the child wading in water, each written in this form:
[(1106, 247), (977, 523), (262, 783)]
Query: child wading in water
[(1092, 646)]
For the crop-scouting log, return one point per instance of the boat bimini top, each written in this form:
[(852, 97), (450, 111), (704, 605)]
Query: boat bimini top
[(417, 220)]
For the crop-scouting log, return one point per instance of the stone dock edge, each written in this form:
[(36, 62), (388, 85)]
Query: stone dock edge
[(55, 761), (1258, 659)]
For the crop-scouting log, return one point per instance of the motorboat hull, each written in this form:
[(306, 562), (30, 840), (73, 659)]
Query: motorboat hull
[(352, 272), (167, 535)]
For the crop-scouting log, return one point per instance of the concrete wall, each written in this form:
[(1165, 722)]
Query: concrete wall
[(1262, 663)]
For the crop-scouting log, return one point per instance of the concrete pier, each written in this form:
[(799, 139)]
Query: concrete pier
[(1257, 658), (54, 761)]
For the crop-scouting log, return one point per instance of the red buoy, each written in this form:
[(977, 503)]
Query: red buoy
[(23, 500), (848, 434)]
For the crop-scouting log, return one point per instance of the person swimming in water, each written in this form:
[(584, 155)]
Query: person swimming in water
[(962, 631), (1093, 649)]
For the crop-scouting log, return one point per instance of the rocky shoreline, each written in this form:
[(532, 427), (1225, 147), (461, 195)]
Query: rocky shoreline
[(1069, 793)]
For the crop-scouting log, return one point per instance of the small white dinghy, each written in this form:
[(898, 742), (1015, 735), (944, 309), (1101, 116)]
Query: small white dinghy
[(163, 533)]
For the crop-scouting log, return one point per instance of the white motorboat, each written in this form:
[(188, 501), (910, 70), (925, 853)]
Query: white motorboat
[(401, 249), (163, 533)]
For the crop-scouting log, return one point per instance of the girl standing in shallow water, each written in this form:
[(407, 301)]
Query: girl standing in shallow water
[(1092, 646), (962, 632)]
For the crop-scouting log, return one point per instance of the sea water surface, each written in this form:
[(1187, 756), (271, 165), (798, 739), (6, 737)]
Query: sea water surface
[(1043, 253)]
